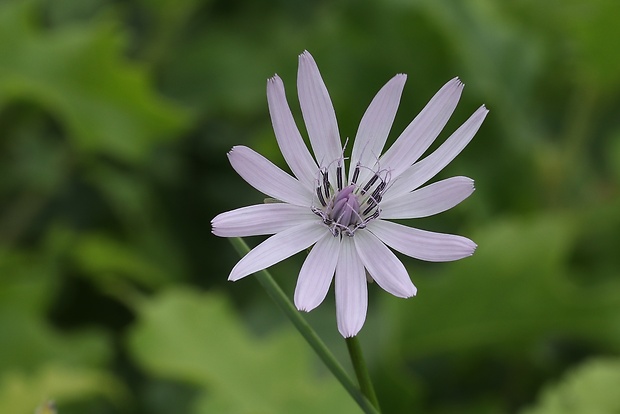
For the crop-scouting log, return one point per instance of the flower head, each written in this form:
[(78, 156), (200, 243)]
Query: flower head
[(341, 206)]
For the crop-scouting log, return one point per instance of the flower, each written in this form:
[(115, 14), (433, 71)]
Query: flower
[(344, 214)]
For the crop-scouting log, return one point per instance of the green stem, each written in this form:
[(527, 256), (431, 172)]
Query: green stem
[(283, 302), (361, 371)]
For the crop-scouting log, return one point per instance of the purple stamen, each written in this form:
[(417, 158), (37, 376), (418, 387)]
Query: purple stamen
[(341, 210), (346, 206)]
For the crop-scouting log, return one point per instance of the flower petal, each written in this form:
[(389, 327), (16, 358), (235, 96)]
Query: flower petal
[(263, 175), (277, 248), (429, 200), (421, 244), (260, 219), (289, 139), (427, 168), (318, 112), (375, 126), (423, 130), (351, 290), (383, 265), (316, 273)]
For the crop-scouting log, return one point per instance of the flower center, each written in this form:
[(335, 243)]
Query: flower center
[(345, 210)]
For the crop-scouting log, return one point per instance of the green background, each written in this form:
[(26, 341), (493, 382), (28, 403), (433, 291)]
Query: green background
[(115, 120)]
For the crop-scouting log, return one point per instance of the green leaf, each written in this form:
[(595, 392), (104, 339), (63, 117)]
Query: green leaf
[(106, 259), (511, 293), (28, 286), (591, 388), (589, 27), (28, 282), (192, 337), (168, 19), (28, 342), (613, 155), (78, 73), (21, 393)]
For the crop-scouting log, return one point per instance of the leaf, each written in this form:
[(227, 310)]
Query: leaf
[(192, 337), (27, 340), (589, 28), (27, 282), (78, 73), (21, 393), (590, 388), (511, 293), (613, 155), (106, 259), (168, 19)]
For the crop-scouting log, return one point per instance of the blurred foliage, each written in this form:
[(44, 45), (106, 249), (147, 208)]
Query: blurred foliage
[(591, 388), (115, 118), (183, 336)]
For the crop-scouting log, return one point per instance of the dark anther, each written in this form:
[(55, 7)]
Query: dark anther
[(320, 195), (339, 177), (356, 173), (371, 205), (325, 183), (377, 193), (370, 183)]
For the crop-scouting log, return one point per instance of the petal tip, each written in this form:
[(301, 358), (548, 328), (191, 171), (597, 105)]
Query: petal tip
[(472, 183), (305, 302), (235, 277), (300, 304), (348, 332), (305, 55), (468, 250), (410, 292), (457, 82), (274, 79), (302, 308), (474, 247), (235, 148), (235, 274)]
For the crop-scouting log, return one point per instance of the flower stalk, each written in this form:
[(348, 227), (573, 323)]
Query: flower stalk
[(361, 371), (282, 301)]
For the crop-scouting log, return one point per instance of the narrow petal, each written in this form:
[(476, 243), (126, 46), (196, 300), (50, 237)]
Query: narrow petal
[(289, 139), (375, 126), (429, 200), (421, 244), (277, 248), (383, 265), (267, 178), (423, 130), (427, 168), (260, 219), (318, 112), (351, 290), (316, 273)]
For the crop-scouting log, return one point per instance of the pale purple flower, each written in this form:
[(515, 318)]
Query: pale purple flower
[(344, 212)]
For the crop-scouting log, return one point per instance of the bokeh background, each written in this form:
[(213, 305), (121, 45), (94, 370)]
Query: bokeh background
[(115, 120)]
